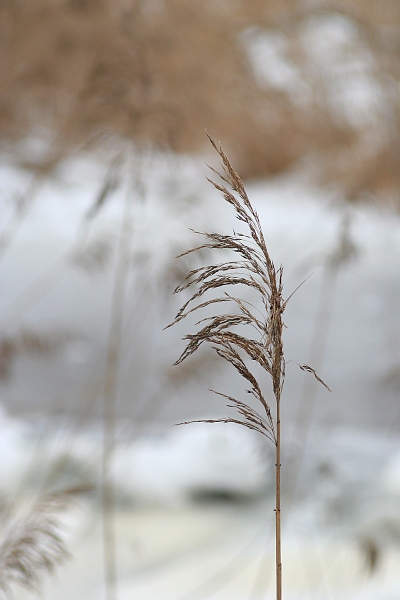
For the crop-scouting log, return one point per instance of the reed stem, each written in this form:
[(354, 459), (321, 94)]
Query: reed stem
[(278, 539), (110, 396)]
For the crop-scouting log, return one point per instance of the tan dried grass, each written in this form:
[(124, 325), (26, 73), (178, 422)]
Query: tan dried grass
[(160, 72)]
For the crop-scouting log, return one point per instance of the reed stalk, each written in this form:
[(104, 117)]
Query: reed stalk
[(253, 269), (110, 397), (33, 543)]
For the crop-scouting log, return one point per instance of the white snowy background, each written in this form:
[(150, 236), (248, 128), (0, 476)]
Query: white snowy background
[(194, 512)]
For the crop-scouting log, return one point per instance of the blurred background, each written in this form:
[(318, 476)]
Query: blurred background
[(104, 106)]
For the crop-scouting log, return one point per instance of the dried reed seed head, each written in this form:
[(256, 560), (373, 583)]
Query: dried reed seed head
[(34, 545), (254, 270)]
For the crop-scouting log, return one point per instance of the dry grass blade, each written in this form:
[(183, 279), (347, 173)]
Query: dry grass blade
[(228, 352), (33, 545), (255, 423), (255, 350), (217, 281), (309, 369)]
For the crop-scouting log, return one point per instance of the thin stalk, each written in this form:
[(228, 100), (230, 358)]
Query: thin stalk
[(308, 398), (27, 199), (278, 538), (345, 252), (251, 268), (110, 395), (20, 212)]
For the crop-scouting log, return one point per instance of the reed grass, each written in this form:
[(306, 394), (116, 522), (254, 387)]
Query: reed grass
[(111, 380), (254, 269), (155, 72), (33, 544)]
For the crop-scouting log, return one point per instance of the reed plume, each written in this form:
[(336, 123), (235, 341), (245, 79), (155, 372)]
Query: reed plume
[(33, 544), (253, 269)]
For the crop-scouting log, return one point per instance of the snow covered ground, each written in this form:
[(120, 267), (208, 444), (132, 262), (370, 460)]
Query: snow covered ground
[(194, 516), (195, 503), (57, 276)]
